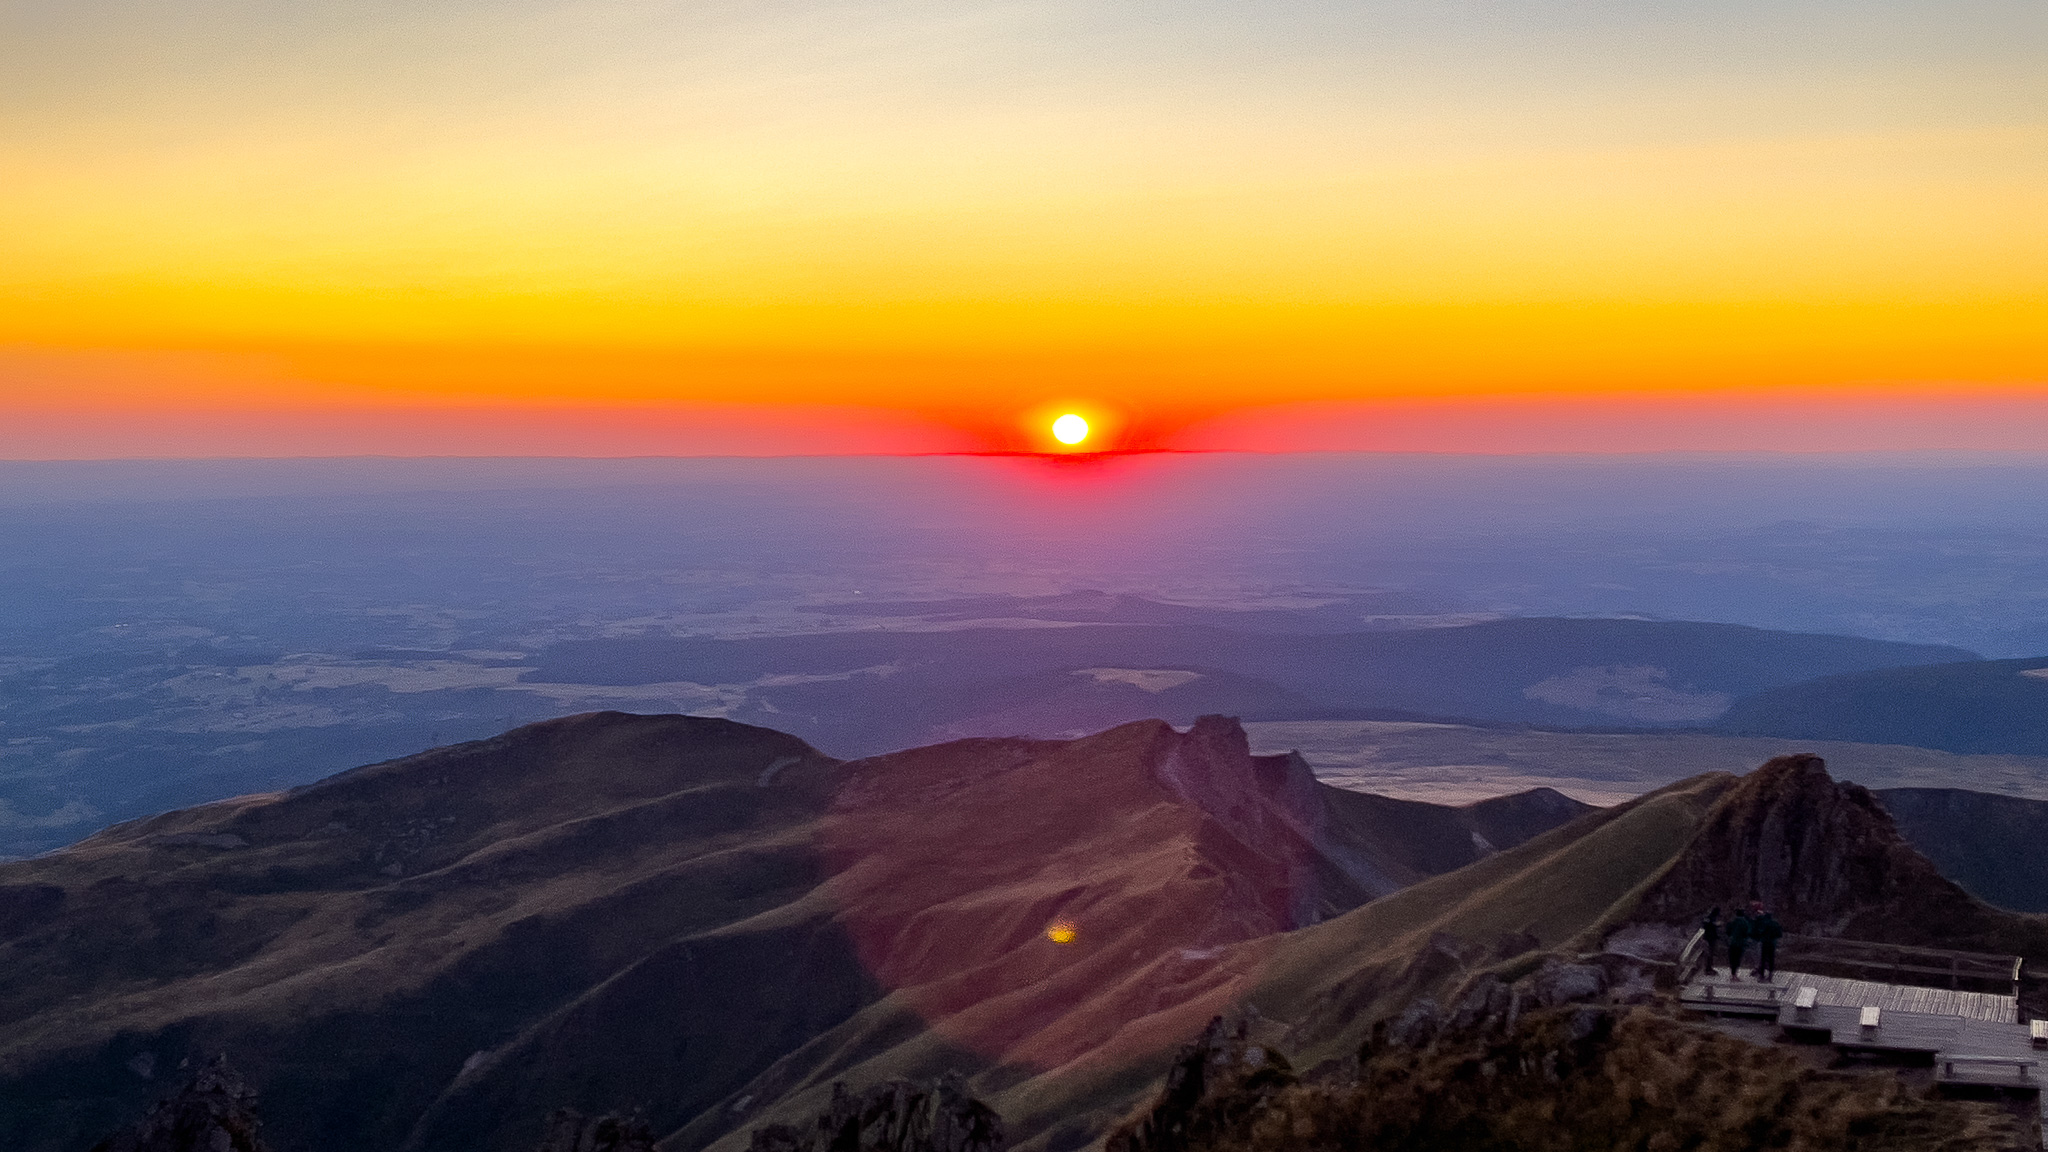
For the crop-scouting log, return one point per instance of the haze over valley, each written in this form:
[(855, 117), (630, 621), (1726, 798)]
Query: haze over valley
[(179, 632)]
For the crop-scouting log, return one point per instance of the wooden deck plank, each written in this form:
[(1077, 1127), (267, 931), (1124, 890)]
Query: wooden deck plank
[(1835, 990), (1974, 1038)]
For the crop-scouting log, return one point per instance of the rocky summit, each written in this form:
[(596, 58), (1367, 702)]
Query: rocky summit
[(894, 1116), (215, 1111), (1830, 861)]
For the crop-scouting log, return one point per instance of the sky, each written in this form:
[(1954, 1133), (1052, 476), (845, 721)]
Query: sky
[(625, 227)]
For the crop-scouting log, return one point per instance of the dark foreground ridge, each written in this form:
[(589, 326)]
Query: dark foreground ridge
[(214, 1112), (894, 1116), (1567, 1077)]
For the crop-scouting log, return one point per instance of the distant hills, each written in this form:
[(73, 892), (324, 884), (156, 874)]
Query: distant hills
[(859, 692), (1980, 706), (1994, 846), (1388, 610), (115, 732)]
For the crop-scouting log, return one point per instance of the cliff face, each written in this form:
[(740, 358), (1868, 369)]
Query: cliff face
[(1275, 803), (1828, 859), (1032, 900), (1825, 857)]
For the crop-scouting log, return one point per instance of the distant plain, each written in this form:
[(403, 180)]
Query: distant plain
[(173, 632)]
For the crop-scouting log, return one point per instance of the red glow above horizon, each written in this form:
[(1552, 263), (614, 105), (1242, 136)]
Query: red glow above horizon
[(1982, 419)]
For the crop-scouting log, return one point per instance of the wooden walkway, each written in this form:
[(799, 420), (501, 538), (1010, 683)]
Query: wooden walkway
[(1754, 998), (1970, 1038)]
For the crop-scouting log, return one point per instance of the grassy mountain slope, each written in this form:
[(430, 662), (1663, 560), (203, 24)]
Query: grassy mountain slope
[(358, 940), (867, 691), (712, 923), (1332, 979), (1825, 856), (691, 915), (1560, 889)]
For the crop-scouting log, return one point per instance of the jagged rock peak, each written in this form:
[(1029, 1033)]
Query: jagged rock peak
[(1823, 855), (894, 1116), (1224, 734), (1782, 775), (214, 1112), (1211, 765), (1211, 1083)]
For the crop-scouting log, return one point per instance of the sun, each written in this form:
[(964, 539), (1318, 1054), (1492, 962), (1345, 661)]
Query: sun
[(1070, 429)]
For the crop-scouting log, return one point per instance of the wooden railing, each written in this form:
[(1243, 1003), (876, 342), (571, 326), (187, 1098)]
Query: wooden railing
[(1692, 957), (1903, 964)]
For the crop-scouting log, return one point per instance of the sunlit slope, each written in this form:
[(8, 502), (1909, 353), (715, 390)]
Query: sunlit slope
[(1331, 980), (950, 867), (1558, 889), (1823, 855)]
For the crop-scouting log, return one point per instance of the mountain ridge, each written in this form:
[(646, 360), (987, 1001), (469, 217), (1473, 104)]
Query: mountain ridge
[(435, 951)]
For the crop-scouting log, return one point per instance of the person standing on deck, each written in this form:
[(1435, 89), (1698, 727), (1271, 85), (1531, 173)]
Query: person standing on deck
[(1710, 936), (1766, 929), (1738, 942)]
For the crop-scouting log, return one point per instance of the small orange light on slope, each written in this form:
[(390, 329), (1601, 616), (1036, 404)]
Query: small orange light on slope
[(1070, 429), (1062, 932)]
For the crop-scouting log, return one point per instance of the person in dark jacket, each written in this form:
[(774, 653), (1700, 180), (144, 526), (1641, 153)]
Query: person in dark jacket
[(1766, 929), (1710, 936), (1738, 943)]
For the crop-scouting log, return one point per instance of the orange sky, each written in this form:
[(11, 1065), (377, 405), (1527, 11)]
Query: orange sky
[(598, 228)]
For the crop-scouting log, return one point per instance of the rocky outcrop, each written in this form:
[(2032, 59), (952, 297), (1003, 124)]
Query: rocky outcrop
[(1824, 856), (1577, 1078), (214, 1112), (1274, 805), (1485, 1004), (571, 1131), (1214, 1085), (895, 1116), (1567, 1057)]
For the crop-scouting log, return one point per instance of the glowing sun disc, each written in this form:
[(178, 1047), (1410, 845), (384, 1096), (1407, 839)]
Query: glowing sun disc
[(1070, 429)]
